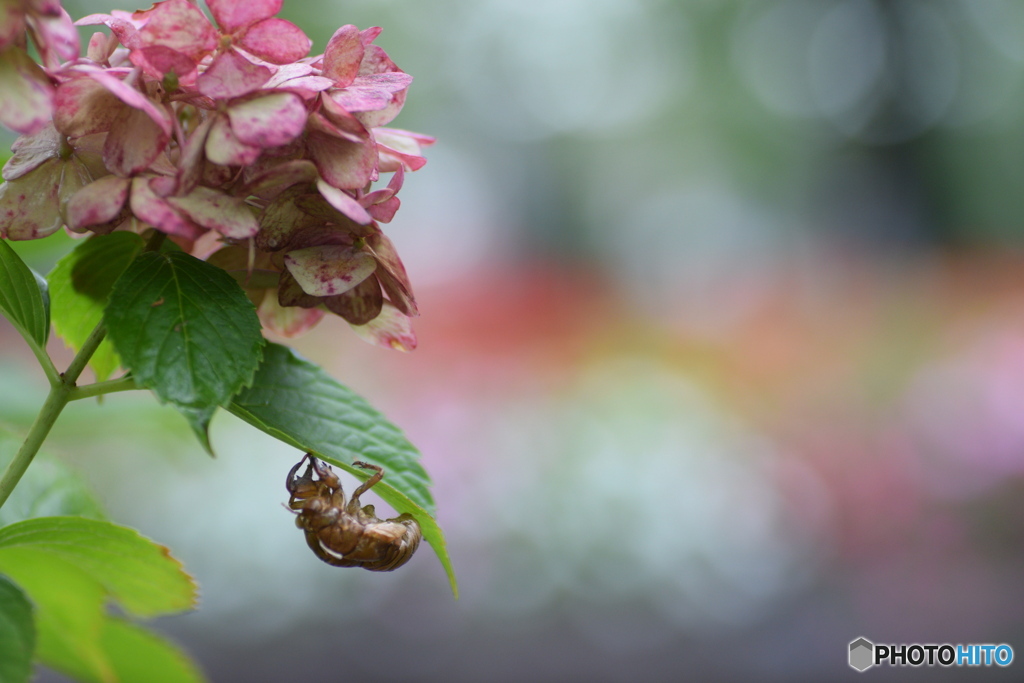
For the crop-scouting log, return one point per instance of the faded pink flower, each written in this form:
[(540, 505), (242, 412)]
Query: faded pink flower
[(41, 177), (226, 137)]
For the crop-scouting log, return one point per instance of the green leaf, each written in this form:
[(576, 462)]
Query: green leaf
[(80, 285), (137, 654), (297, 402), (23, 298), (199, 420), (186, 330), (17, 634), (138, 573), (69, 614), (69, 567), (48, 488)]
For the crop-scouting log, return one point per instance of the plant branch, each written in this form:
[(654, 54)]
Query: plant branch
[(46, 363), (55, 402), (81, 359), (101, 388), (63, 390)]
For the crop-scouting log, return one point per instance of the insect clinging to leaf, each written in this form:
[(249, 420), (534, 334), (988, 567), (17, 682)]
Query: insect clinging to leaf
[(343, 533)]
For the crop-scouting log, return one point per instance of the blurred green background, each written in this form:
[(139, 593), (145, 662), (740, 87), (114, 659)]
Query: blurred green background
[(721, 358)]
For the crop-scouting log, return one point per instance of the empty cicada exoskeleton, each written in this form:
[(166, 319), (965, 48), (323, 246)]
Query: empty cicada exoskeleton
[(345, 534)]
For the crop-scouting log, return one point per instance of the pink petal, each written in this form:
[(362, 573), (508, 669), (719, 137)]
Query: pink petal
[(46, 8), (125, 31), (30, 205), (277, 41), (26, 95), (232, 15), (329, 270), (391, 273), (181, 26), (359, 305), (83, 106), (382, 117), (384, 111), (390, 329), (299, 77), (269, 120), (287, 321), (31, 152), (385, 211), (283, 220), (382, 196), (269, 182), (58, 39), (307, 87), (398, 149), (130, 96), (376, 61), (230, 216), (392, 159), (344, 164), (290, 294), (159, 60), (397, 180), (334, 120), (12, 23), (232, 75), (373, 92), (192, 161), (100, 47), (133, 143), (97, 203), (89, 150), (368, 35), (343, 54), (222, 147), (74, 177), (148, 206), (344, 202), (252, 270), (411, 138), (334, 227)]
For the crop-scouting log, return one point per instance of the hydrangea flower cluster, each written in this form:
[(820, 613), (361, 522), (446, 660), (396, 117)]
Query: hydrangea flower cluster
[(227, 137)]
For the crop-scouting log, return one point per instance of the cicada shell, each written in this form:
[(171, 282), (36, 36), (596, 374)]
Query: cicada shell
[(343, 533)]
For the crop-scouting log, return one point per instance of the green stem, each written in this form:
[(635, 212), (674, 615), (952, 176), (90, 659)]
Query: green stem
[(92, 342), (63, 390), (101, 388), (46, 363), (55, 402)]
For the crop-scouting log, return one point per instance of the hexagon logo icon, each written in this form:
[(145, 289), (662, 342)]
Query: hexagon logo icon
[(862, 654)]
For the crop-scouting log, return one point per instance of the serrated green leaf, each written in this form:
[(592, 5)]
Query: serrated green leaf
[(48, 488), (69, 567), (138, 573), (80, 285), (199, 420), (23, 298), (69, 614), (185, 329), (17, 634), (297, 402), (137, 654), (306, 405)]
